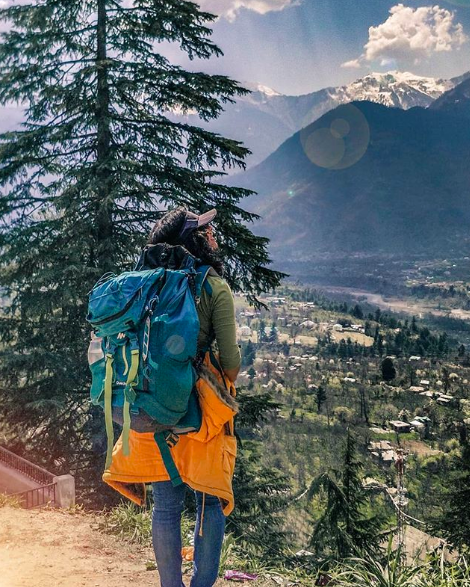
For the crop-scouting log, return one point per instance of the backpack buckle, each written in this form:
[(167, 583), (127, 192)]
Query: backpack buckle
[(172, 439)]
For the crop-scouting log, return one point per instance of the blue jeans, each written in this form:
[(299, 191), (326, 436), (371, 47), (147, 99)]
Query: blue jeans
[(166, 535)]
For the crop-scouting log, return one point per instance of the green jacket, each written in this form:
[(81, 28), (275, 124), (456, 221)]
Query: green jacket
[(217, 317)]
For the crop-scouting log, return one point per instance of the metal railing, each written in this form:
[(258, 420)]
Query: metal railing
[(30, 470), (33, 498)]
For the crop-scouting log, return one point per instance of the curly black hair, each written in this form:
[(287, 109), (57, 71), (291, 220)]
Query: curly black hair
[(167, 230)]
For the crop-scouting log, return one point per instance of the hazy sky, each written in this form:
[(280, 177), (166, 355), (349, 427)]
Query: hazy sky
[(297, 46)]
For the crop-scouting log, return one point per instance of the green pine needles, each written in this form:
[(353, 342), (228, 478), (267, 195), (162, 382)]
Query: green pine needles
[(453, 523), (344, 529), (98, 155)]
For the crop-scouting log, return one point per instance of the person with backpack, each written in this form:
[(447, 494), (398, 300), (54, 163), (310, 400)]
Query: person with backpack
[(203, 458)]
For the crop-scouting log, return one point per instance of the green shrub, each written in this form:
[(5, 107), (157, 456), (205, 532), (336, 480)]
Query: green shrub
[(129, 522), (434, 571), (8, 500)]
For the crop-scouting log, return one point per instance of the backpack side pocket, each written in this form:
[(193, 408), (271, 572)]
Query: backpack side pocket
[(98, 373)]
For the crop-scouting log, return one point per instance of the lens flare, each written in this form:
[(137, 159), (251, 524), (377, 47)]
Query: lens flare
[(324, 148), (340, 128), (175, 344), (340, 142)]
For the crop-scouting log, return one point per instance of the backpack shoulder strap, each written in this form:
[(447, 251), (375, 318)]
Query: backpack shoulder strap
[(201, 280)]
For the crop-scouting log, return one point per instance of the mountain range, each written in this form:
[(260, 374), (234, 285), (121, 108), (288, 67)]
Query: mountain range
[(366, 178), (265, 118)]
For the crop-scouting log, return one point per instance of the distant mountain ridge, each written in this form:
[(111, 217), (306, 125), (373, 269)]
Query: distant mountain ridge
[(264, 119), (407, 194), (456, 100)]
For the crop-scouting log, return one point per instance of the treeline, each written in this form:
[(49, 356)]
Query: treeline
[(392, 335)]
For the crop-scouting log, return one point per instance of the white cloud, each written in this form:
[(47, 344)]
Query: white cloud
[(230, 8), (413, 34), (353, 64)]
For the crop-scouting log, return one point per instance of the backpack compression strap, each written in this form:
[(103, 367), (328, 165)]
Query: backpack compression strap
[(108, 410), (129, 397), (201, 280), (162, 443)]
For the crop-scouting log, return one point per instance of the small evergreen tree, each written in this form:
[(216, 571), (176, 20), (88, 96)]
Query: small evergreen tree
[(454, 522), (273, 335), (388, 369), (445, 378), (249, 354), (343, 529), (251, 374), (320, 397), (262, 336), (262, 494), (357, 312), (411, 372)]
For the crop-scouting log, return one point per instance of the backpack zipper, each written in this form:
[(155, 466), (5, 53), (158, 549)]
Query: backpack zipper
[(121, 312)]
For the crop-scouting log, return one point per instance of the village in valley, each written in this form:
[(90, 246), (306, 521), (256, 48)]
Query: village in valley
[(400, 386)]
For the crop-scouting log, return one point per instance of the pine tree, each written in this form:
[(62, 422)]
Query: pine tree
[(357, 312), (262, 337), (273, 334), (343, 529), (454, 522), (249, 354), (320, 397), (251, 374), (388, 369), (83, 181), (262, 494), (445, 378)]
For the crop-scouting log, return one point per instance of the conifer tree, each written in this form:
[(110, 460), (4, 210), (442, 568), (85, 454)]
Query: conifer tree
[(344, 529), (320, 397), (388, 369), (273, 334), (454, 521), (262, 337), (96, 159), (249, 354), (262, 493)]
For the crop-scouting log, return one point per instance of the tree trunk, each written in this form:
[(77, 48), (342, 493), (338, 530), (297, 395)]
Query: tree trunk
[(104, 227)]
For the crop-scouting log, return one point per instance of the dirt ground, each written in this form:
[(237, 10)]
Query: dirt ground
[(420, 448), (53, 548)]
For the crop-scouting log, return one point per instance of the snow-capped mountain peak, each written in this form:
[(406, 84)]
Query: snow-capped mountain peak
[(254, 87), (393, 88), (265, 118)]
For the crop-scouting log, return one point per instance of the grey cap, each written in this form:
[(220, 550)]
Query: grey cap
[(194, 221)]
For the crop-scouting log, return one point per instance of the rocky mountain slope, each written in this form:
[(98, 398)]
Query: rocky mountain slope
[(264, 119)]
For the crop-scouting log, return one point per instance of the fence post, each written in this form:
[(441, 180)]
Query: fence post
[(64, 491)]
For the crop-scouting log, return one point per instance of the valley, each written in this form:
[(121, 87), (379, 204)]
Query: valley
[(401, 306), (321, 356)]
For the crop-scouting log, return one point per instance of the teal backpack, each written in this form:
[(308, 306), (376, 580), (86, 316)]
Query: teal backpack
[(147, 326)]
